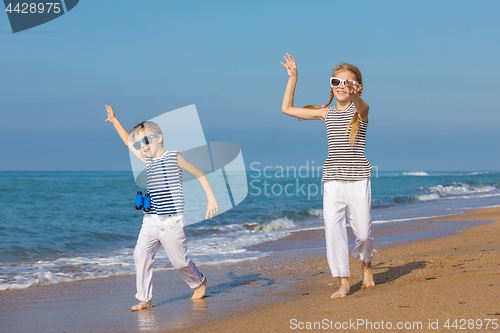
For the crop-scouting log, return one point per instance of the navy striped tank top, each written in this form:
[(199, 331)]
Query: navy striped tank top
[(165, 184)]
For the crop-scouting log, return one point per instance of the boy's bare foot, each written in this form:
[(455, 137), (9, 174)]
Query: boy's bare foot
[(142, 306), (367, 275), (199, 292), (344, 289)]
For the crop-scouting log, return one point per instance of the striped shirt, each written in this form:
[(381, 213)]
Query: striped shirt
[(165, 184), (345, 163)]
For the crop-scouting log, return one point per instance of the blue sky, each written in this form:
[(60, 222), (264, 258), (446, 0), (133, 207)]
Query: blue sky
[(430, 72)]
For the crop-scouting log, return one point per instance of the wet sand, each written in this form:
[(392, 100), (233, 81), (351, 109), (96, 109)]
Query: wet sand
[(419, 282)]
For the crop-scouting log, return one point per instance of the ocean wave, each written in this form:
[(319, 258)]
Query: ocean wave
[(299, 215), (427, 197), (219, 248), (477, 173), (65, 269), (462, 174), (278, 224), (211, 229), (446, 174), (417, 173), (316, 212), (457, 189), (460, 188), (37, 279), (227, 245)]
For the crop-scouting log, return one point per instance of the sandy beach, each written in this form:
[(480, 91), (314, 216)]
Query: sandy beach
[(438, 284), (422, 286)]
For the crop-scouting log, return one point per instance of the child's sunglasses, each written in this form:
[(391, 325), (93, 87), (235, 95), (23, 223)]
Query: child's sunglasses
[(146, 140), (335, 82)]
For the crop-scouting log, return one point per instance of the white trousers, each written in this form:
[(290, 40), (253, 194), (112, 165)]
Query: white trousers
[(351, 200), (169, 230)]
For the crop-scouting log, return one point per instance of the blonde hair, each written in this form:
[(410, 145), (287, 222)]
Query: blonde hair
[(354, 123), (149, 125)]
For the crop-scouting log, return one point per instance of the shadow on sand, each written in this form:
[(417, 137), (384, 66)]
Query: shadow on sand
[(392, 273), (236, 281)]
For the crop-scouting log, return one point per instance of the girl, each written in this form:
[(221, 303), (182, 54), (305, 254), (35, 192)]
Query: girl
[(165, 222), (346, 172)]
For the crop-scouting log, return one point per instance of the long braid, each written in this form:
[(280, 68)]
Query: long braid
[(353, 135), (332, 96), (354, 126)]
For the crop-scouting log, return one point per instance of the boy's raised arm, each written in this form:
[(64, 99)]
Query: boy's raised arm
[(126, 138)]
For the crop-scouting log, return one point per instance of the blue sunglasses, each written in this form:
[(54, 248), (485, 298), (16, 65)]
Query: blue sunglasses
[(146, 140)]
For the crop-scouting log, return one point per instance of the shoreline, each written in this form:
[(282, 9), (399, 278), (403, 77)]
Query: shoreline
[(293, 281)]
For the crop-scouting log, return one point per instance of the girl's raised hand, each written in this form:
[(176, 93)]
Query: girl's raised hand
[(291, 66), (111, 114), (351, 88)]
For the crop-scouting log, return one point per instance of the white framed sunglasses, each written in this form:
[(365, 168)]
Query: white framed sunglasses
[(335, 82)]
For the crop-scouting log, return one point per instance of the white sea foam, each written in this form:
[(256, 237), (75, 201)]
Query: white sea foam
[(311, 228), (34, 279), (459, 188), (278, 224), (406, 219), (217, 248), (316, 212), (417, 173), (65, 269), (427, 197), (459, 174), (227, 245), (452, 191)]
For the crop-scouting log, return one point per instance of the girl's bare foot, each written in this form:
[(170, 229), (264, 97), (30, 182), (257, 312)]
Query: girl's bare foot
[(367, 275), (199, 292), (344, 289), (142, 306)]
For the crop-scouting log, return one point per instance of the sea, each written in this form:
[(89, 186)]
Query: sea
[(67, 226)]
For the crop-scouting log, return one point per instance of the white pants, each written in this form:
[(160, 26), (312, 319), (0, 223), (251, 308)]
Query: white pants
[(351, 200), (169, 230)]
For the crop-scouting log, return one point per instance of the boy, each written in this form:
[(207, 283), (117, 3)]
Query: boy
[(164, 223)]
